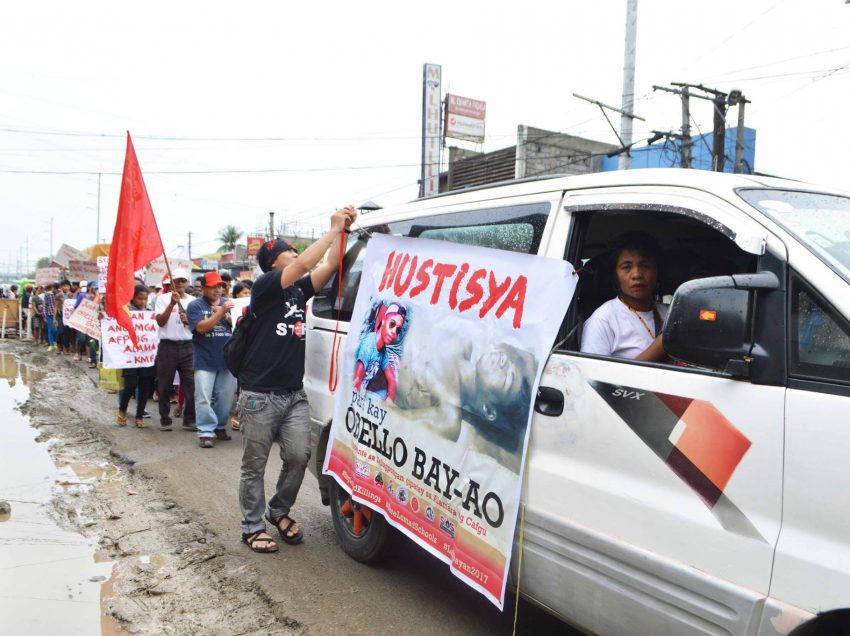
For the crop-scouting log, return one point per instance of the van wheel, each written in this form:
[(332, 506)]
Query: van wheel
[(363, 533)]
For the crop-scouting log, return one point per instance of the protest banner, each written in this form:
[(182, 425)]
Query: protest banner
[(86, 319), (47, 275), (254, 244), (66, 254), (157, 271), (82, 270), (118, 349), (102, 268), (240, 306), (438, 378), (67, 309)]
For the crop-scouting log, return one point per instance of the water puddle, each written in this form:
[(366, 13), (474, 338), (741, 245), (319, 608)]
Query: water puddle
[(51, 579)]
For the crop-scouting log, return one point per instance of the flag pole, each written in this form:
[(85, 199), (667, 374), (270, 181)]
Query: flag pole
[(168, 269)]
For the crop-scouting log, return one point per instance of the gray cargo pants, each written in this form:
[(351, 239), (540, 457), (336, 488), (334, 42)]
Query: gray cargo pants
[(267, 418)]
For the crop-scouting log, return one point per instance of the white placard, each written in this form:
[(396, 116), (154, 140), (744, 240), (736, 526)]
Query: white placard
[(118, 349)]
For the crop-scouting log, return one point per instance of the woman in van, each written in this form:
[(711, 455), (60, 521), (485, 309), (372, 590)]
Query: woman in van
[(629, 325)]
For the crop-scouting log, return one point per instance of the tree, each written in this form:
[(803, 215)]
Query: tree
[(229, 237), (44, 261)]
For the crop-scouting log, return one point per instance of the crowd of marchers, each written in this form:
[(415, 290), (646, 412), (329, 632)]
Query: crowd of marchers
[(190, 380)]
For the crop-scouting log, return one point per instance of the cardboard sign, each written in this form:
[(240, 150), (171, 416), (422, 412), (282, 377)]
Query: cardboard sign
[(240, 306), (47, 275), (67, 309), (157, 271), (440, 371), (66, 254), (86, 319), (82, 270), (118, 349), (102, 268)]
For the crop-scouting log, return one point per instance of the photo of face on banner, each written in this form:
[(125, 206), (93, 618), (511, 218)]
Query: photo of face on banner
[(379, 351), (461, 382)]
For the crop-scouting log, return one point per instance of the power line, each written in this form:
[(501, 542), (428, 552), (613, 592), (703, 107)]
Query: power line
[(233, 171)]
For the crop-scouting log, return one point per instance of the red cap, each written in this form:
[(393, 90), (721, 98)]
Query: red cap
[(211, 279)]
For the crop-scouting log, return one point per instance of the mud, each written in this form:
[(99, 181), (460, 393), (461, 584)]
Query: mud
[(170, 573)]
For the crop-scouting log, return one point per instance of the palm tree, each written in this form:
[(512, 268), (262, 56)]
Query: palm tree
[(229, 237)]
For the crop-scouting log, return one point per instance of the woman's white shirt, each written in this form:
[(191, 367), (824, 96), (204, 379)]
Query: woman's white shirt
[(615, 330)]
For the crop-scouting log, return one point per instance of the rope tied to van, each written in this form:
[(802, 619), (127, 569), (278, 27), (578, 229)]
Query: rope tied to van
[(333, 375)]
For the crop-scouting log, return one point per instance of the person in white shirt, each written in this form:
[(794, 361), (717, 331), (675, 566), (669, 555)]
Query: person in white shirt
[(175, 351), (629, 326)]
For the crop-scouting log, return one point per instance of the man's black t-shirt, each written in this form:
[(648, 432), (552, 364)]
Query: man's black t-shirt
[(274, 359)]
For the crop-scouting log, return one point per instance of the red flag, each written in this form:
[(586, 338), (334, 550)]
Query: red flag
[(135, 241)]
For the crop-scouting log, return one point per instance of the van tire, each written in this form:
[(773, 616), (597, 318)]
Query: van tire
[(372, 539)]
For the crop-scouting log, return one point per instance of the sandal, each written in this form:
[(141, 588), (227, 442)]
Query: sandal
[(234, 424), (140, 422), (286, 537), (121, 418), (254, 538)]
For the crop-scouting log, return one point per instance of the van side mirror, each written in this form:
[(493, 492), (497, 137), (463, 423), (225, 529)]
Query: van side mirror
[(710, 322)]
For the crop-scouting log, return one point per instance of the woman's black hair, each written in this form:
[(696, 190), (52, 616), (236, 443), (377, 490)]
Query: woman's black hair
[(140, 288), (238, 288), (640, 242)]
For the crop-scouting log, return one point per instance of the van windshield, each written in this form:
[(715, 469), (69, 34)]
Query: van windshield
[(820, 221)]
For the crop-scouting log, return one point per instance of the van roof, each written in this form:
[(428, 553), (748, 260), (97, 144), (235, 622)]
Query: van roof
[(717, 182)]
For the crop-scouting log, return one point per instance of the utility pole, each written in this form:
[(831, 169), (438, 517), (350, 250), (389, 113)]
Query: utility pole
[(686, 128), (271, 225), (628, 83), (97, 238), (736, 98), (190, 246), (718, 150)]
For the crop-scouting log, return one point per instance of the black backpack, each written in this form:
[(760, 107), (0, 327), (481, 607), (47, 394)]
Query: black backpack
[(237, 346)]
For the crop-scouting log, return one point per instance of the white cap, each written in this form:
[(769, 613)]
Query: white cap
[(179, 273)]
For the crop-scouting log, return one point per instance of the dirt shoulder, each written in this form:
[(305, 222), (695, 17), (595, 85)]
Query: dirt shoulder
[(171, 573)]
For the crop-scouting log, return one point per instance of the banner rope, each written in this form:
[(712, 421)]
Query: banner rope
[(333, 375)]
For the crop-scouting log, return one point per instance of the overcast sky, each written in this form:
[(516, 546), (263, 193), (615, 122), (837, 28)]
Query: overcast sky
[(301, 109)]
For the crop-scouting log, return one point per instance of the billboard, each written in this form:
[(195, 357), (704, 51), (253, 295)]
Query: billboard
[(429, 183), (254, 243), (465, 118)]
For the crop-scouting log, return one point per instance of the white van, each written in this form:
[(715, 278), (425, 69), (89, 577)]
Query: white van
[(703, 497)]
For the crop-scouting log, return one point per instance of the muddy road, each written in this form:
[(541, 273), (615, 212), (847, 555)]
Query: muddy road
[(164, 512)]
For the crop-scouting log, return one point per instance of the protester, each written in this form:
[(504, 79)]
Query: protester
[(50, 315), (209, 319), (241, 290), (38, 319), (88, 291), (273, 405), (63, 343), (175, 351), (26, 308), (228, 283), (141, 378)]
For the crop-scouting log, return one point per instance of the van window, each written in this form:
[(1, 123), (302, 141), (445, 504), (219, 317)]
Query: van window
[(516, 228), (820, 337), (689, 249), (820, 221)]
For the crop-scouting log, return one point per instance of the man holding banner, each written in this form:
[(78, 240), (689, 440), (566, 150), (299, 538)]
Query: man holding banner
[(272, 405)]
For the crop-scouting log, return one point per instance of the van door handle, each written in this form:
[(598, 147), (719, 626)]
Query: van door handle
[(550, 401)]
